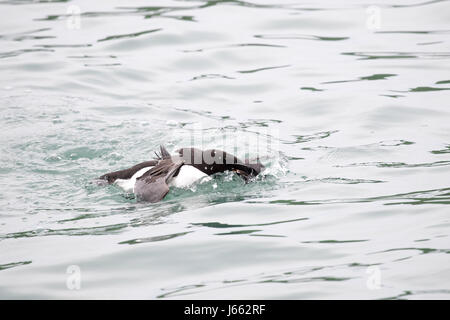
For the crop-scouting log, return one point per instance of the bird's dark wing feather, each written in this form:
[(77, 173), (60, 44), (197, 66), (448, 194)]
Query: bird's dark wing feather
[(152, 186), (127, 173), (164, 154), (151, 191)]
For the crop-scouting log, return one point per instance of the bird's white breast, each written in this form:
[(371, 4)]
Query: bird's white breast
[(187, 176), (128, 184)]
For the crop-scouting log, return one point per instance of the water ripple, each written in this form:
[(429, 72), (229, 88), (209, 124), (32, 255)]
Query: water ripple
[(398, 55), (129, 35), (299, 37), (435, 196)]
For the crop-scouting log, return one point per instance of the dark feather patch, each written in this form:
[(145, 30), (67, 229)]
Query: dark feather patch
[(152, 186)]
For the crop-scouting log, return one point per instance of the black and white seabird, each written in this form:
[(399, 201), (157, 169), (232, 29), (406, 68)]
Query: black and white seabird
[(150, 180)]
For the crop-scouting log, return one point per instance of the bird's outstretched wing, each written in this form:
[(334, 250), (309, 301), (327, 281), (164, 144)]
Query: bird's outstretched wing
[(127, 173), (153, 185)]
